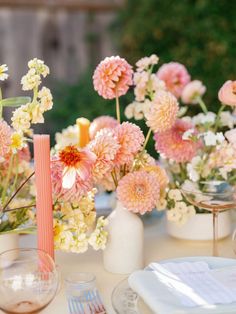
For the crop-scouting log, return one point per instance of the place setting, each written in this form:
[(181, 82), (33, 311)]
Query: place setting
[(130, 213)]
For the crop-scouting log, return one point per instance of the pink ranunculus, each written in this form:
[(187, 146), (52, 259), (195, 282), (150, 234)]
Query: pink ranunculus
[(171, 144), (175, 76), (112, 77), (192, 91), (227, 93)]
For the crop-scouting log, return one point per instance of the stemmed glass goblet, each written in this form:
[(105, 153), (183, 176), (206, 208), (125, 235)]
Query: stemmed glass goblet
[(213, 196), (28, 281)]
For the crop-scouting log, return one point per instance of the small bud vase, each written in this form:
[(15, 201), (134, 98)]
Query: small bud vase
[(124, 250)]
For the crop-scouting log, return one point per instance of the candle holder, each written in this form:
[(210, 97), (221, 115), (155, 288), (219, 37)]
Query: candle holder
[(214, 196)]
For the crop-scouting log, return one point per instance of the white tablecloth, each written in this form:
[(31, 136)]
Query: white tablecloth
[(158, 246)]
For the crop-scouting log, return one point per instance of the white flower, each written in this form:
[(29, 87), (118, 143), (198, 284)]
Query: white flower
[(45, 97), (227, 119), (98, 238), (175, 194), (36, 114), (17, 141), (188, 134), (155, 84), (134, 110), (146, 62), (202, 118), (39, 66), (161, 204), (3, 70), (31, 80), (67, 137), (211, 139), (194, 168), (21, 118), (181, 206), (173, 215)]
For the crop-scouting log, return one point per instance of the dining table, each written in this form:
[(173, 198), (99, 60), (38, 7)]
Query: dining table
[(158, 246)]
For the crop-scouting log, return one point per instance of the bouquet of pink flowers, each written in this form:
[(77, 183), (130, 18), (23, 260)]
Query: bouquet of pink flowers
[(114, 156), (193, 149)]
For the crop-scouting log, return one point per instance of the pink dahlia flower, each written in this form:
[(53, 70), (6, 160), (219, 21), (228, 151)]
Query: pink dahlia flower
[(173, 146), (138, 191), (77, 163), (76, 192), (192, 91), (176, 77), (130, 138), (227, 93), (112, 77), (105, 147), (5, 138), (162, 112), (100, 123)]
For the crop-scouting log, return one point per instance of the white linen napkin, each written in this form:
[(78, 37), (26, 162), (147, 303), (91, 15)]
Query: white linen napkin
[(183, 288)]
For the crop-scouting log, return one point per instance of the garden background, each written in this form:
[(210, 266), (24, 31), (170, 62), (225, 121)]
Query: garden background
[(73, 36)]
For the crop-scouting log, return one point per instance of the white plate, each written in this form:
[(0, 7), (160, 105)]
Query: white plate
[(126, 301)]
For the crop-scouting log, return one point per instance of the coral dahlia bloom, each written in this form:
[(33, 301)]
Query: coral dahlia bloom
[(76, 192), (172, 146), (138, 191), (100, 123), (162, 112), (130, 138), (160, 174), (105, 147), (77, 162), (5, 138), (227, 93), (112, 77), (176, 77)]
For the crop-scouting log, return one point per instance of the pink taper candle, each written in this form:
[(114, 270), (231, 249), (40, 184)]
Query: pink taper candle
[(44, 193)]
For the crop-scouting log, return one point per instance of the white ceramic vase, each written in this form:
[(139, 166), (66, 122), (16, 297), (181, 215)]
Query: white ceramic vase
[(200, 227), (124, 250)]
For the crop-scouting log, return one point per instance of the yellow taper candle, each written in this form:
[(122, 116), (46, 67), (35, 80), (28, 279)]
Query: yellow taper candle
[(83, 126)]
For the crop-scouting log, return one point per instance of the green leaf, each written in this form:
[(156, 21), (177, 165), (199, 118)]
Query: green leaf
[(15, 101)]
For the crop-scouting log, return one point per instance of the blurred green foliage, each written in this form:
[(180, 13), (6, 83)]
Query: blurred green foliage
[(201, 34), (198, 33)]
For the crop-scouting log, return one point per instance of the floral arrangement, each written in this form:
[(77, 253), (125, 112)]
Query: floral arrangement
[(17, 196), (113, 157), (193, 149)]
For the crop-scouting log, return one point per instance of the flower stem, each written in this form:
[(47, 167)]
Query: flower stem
[(117, 108), (147, 138), (19, 188), (202, 105), (218, 117), (114, 178)]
